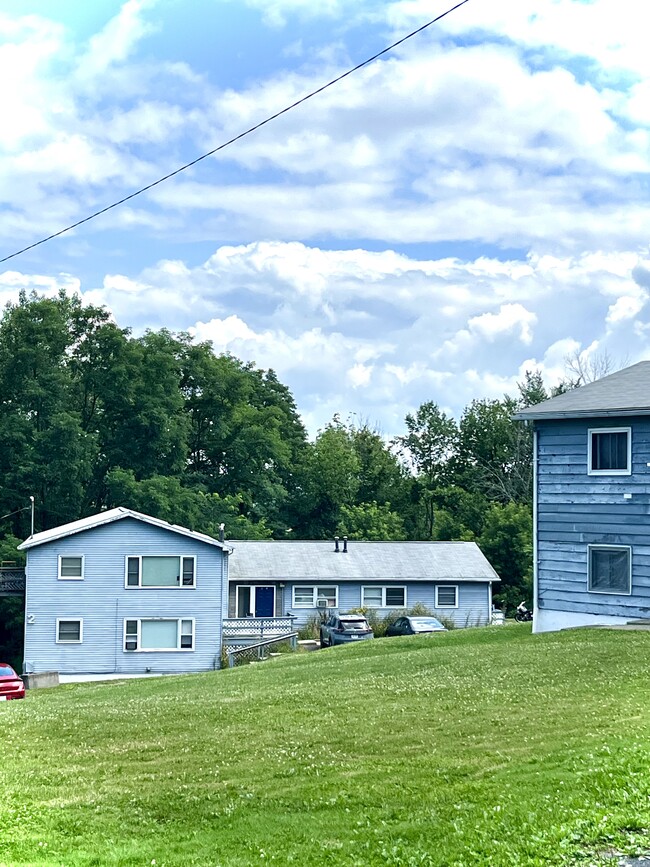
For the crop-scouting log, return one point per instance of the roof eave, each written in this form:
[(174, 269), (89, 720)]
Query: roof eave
[(580, 413)]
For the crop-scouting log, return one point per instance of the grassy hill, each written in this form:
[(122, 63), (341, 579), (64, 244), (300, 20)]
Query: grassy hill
[(484, 746)]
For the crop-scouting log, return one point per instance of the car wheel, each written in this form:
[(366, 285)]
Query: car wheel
[(323, 643)]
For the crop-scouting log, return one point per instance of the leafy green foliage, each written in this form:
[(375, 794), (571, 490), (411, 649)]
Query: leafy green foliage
[(507, 542), (371, 522)]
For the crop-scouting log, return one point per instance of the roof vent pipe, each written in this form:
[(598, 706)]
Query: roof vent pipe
[(345, 544), (336, 544), (222, 532)]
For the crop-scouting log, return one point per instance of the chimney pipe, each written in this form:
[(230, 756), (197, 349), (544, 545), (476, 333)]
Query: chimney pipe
[(345, 544), (336, 544), (222, 532)]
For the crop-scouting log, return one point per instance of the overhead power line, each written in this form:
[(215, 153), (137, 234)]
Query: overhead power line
[(238, 137)]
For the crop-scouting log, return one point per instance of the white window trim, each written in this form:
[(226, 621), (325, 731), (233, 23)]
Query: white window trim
[(253, 588), (177, 649), (445, 587), (72, 577), (314, 589), (78, 620), (600, 430), (627, 548), (384, 588), (140, 586)]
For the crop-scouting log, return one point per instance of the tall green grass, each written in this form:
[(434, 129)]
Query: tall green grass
[(487, 746)]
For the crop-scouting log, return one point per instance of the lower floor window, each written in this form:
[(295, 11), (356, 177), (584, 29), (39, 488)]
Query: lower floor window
[(69, 631), (446, 596), (159, 633), (610, 569), (315, 597), (374, 596)]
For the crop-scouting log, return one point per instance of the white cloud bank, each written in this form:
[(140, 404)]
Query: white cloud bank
[(379, 333)]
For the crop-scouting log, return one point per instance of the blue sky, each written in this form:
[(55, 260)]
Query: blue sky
[(472, 205)]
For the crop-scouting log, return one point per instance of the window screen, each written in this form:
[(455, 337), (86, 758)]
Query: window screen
[(372, 597), (609, 570), (395, 597), (69, 630), (71, 567), (609, 451), (446, 597)]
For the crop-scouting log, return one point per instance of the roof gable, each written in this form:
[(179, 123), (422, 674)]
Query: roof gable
[(624, 393), (108, 517)]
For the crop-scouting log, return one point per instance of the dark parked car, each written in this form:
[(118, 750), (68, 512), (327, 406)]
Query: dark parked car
[(343, 629), (11, 686), (415, 626)]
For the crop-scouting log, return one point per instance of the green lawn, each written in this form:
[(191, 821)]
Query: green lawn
[(484, 746)]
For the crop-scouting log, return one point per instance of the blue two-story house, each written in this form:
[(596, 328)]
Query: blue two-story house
[(592, 503), (124, 593)]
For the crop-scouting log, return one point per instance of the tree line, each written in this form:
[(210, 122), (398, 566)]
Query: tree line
[(93, 417)]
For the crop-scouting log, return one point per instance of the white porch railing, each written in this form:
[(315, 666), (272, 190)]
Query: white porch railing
[(237, 628)]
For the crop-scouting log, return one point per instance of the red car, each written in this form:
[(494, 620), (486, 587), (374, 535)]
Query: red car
[(11, 686)]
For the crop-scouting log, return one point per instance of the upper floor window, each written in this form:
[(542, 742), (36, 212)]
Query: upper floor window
[(610, 569), (610, 451), (71, 568), (160, 571)]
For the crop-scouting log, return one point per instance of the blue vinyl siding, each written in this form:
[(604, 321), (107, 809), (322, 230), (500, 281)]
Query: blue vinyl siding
[(576, 510), (103, 602), (473, 600)]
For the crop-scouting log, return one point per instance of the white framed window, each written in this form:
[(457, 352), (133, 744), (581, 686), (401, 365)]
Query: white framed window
[(446, 596), (610, 569), (71, 567), (157, 634), (69, 630), (313, 596), (160, 570), (609, 451), (376, 596)]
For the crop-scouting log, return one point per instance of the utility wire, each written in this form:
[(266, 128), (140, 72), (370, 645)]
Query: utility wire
[(9, 514), (240, 136)]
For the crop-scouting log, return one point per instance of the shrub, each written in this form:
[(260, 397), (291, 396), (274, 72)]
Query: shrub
[(311, 629)]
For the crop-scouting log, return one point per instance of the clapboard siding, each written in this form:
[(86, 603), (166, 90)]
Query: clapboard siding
[(575, 510), (473, 601), (103, 602)]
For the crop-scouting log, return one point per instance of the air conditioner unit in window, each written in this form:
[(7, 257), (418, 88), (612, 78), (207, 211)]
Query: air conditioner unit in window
[(321, 603)]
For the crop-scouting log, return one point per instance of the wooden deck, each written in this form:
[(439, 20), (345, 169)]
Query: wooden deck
[(12, 581)]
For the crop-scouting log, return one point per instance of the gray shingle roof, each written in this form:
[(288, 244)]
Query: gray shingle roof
[(367, 561), (626, 392)]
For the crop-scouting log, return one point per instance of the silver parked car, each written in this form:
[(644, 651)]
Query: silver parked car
[(415, 626), (343, 629)]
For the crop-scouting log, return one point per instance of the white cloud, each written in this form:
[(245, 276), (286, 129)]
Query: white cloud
[(365, 332), (511, 318)]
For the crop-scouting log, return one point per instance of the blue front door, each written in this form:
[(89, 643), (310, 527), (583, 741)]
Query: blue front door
[(264, 601)]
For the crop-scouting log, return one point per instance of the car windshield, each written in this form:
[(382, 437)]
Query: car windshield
[(6, 671), (425, 624), (354, 625)]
